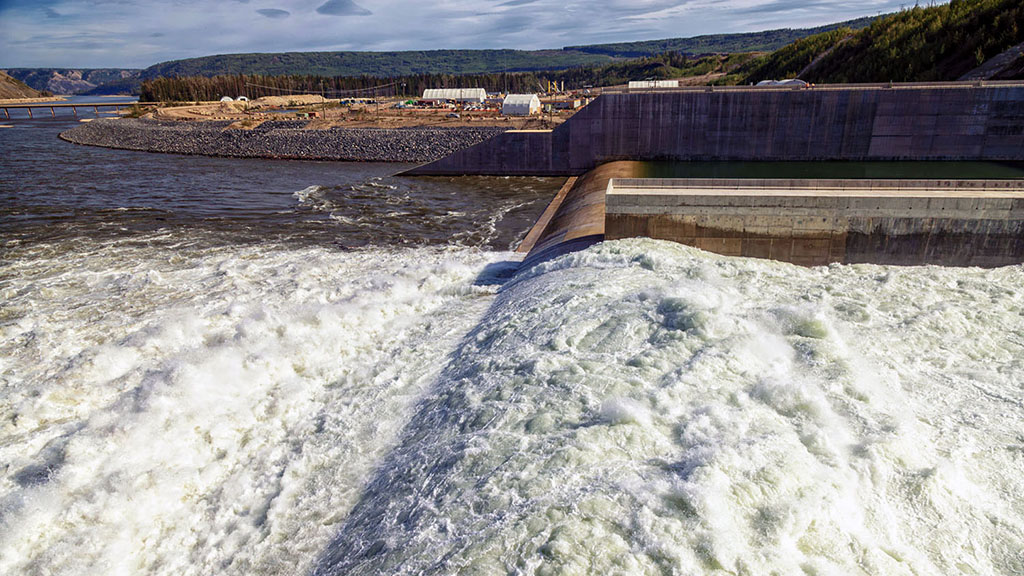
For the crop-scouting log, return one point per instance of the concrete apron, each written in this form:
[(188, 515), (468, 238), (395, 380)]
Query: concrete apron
[(806, 222)]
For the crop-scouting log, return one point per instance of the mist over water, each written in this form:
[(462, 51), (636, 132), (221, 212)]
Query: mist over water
[(232, 367)]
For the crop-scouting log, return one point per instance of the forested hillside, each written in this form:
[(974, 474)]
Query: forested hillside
[(919, 44), (766, 41)]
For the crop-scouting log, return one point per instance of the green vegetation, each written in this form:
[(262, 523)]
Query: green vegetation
[(379, 64), (915, 45), (137, 111), (789, 61), (766, 41)]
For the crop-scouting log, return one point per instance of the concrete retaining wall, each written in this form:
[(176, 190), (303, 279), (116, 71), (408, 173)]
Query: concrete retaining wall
[(947, 122), (816, 222)]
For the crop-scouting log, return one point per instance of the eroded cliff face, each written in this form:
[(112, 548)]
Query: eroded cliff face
[(12, 88), (75, 81)]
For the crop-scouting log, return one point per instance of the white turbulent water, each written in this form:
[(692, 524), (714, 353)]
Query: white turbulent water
[(640, 407)]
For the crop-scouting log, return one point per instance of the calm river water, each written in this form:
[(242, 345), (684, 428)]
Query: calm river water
[(219, 366)]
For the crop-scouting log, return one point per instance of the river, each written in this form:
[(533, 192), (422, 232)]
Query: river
[(218, 366)]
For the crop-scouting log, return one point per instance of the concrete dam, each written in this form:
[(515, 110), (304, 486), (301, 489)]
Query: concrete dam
[(805, 221)]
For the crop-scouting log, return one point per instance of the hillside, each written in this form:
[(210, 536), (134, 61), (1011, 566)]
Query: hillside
[(14, 88), (766, 41), (380, 64), (79, 81), (915, 45), (394, 64)]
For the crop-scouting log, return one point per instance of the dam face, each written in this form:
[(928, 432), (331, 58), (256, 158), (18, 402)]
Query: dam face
[(854, 123), (957, 222)]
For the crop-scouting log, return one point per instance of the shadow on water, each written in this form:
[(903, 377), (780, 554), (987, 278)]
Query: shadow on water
[(415, 479)]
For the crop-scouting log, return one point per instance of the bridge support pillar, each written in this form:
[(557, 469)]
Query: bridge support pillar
[(52, 113), (30, 113)]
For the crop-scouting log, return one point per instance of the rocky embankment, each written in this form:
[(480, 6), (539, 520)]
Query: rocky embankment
[(279, 139)]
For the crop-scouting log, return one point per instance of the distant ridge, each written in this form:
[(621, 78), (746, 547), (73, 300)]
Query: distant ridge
[(79, 80), (459, 62)]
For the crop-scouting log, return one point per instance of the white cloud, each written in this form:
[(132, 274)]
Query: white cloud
[(137, 33)]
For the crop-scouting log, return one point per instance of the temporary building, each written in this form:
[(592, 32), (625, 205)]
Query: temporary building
[(791, 82), (654, 84), (242, 99), (477, 95), (227, 99), (520, 105)]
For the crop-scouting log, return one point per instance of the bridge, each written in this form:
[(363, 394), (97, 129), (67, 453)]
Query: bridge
[(74, 106)]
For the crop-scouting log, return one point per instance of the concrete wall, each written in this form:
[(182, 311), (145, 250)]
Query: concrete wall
[(964, 122), (952, 223), (575, 219)]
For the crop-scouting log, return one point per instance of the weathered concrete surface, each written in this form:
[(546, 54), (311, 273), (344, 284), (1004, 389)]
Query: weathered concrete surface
[(576, 218), (857, 123), (816, 222)]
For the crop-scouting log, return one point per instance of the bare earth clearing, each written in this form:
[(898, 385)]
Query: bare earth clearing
[(331, 114)]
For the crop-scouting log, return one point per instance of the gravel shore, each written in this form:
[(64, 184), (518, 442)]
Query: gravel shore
[(279, 139)]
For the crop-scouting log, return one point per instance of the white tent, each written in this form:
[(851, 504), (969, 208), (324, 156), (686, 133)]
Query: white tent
[(477, 95), (227, 99), (520, 105), (654, 84), (790, 82)]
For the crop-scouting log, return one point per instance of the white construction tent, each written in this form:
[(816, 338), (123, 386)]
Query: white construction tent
[(520, 105), (653, 84), (477, 95)]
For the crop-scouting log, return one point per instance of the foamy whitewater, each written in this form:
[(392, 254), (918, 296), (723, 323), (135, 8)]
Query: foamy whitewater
[(641, 407)]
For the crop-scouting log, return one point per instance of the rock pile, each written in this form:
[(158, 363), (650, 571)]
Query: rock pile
[(279, 139)]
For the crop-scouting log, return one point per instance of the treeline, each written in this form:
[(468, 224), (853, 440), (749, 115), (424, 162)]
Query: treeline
[(191, 88)]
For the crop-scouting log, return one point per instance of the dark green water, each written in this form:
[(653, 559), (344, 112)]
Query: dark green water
[(841, 170)]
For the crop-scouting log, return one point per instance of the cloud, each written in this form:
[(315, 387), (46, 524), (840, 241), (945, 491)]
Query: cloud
[(342, 8), (51, 13), (139, 33), (274, 13)]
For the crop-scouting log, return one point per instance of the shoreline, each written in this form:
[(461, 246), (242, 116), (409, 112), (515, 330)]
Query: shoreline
[(278, 139), (33, 100)]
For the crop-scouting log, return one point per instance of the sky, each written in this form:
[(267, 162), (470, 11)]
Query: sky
[(139, 33)]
